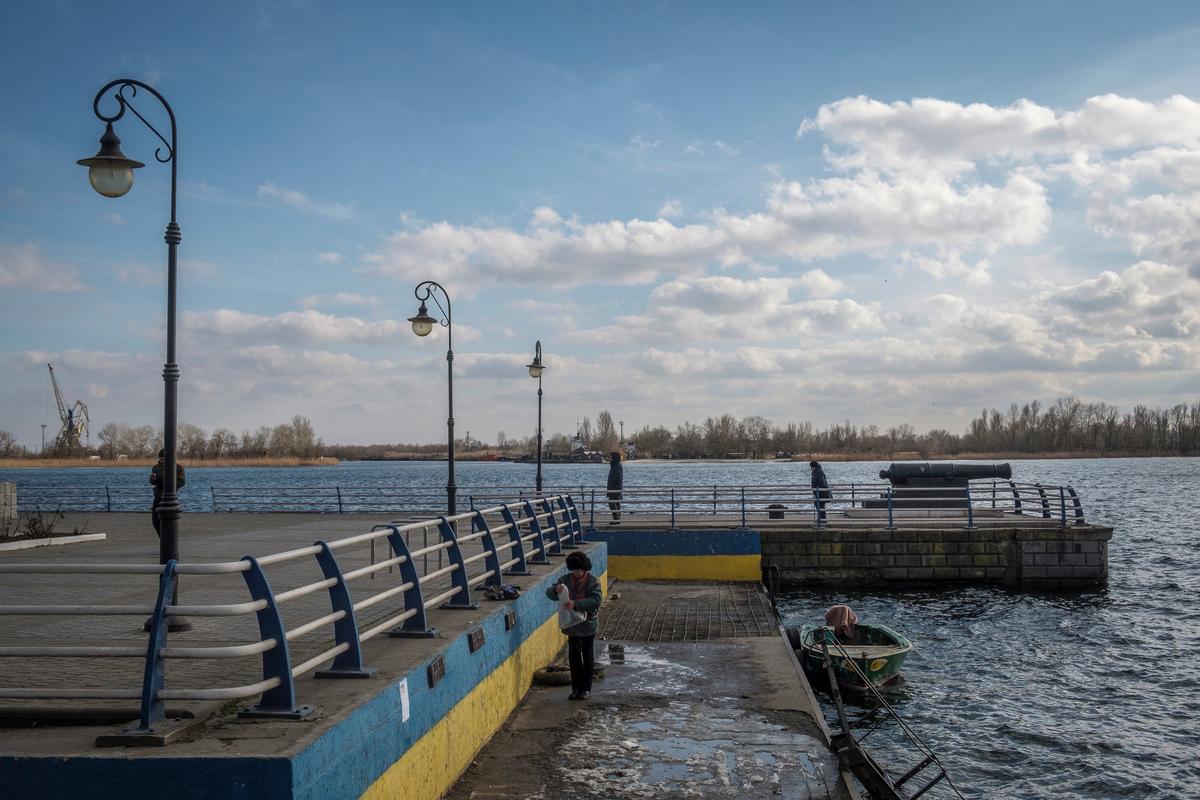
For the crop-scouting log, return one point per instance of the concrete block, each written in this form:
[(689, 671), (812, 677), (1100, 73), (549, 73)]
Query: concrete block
[(894, 574), (985, 561), (1092, 559), (893, 547), (1033, 547), (870, 548), (1091, 547), (972, 573), (826, 562), (920, 548), (908, 561), (958, 560), (859, 562), (946, 573), (1046, 559), (920, 573), (994, 573), (1058, 572), (1073, 559), (1085, 572), (935, 560), (821, 550), (1033, 572)]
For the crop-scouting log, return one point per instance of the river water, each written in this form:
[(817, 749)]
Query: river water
[(1086, 696)]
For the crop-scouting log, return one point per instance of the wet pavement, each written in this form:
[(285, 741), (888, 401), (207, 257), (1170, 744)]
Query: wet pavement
[(710, 719)]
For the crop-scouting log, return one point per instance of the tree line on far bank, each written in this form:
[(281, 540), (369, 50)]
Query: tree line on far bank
[(1065, 426)]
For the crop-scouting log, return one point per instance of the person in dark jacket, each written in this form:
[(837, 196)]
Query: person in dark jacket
[(156, 482), (820, 487), (616, 482), (583, 589)]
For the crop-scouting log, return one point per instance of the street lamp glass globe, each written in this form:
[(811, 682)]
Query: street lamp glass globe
[(422, 323), (110, 178), (535, 370)]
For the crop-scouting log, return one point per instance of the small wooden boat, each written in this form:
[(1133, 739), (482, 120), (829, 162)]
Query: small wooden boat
[(877, 651)]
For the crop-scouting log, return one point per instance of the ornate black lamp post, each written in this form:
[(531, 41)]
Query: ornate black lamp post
[(111, 174), (536, 367), (422, 325)]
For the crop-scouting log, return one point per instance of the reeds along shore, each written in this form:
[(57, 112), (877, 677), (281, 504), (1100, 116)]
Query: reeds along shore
[(36, 463)]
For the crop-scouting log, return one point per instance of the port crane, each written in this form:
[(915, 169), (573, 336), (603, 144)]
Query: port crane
[(74, 422)]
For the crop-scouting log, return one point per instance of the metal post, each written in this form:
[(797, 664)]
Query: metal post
[(169, 510), (970, 508), (338, 489), (891, 519), (276, 662), (1062, 506), (108, 498), (448, 323), (1077, 504), (743, 506), (349, 663)]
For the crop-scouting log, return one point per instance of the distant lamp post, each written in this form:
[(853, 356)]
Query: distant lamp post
[(422, 325), (111, 174), (536, 368)]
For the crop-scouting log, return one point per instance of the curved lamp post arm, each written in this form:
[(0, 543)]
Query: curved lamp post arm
[(424, 292), (123, 104)]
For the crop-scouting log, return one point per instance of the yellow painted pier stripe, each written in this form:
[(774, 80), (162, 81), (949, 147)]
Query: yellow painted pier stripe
[(431, 766), (686, 568)]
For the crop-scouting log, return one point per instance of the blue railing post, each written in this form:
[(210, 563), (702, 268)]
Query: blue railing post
[(416, 626), (276, 662), (565, 519), (743, 506), (535, 526), (1016, 498), (1062, 506), (491, 561), (108, 498), (514, 533), (338, 489), (672, 508), (1077, 504), (575, 520), (348, 664), (891, 516), (1045, 501), (555, 536), (458, 578), (970, 508), (152, 709), (592, 523)]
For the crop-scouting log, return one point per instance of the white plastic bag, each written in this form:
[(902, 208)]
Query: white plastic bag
[(567, 616)]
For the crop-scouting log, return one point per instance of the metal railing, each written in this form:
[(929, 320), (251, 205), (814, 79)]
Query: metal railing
[(503, 540), (981, 503)]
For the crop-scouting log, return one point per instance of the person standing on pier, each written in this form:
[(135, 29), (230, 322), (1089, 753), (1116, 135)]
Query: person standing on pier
[(820, 487), (583, 595), (616, 482), (156, 482)]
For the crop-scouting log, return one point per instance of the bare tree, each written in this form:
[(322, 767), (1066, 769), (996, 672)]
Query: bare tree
[(8, 444)]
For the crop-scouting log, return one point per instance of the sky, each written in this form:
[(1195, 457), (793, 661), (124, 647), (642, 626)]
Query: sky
[(868, 212)]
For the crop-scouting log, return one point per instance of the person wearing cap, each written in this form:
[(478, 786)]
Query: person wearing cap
[(156, 482), (820, 486), (616, 482), (583, 595)]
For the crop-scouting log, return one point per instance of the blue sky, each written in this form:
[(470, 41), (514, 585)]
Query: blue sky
[(880, 212)]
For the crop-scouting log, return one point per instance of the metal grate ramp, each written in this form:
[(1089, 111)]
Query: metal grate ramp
[(690, 612)]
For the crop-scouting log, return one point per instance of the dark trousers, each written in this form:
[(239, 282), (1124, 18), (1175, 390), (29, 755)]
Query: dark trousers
[(583, 661), (155, 520), (614, 503), (821, 497)]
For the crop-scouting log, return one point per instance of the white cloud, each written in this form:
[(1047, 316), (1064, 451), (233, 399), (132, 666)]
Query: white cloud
[(292, 327), (339, 299), (726, 149), (295, 199), (329, 257), (25, 266), (670, 209)]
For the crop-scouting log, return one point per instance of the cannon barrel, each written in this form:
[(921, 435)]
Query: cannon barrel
[(945, 470)]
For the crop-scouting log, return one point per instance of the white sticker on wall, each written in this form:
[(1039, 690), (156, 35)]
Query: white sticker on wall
[(403, 687)]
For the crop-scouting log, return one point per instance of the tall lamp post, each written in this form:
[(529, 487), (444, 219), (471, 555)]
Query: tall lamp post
[(422, 325), (536, 367), (111, 174)]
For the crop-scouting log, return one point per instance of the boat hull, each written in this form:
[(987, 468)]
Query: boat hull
[(880, 661)]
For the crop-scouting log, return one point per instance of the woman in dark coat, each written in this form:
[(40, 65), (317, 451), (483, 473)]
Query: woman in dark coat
[(583, 591), (616, 482)]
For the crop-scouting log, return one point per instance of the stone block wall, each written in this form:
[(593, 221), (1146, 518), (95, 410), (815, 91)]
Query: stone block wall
[(8, 502), (1034, 558)]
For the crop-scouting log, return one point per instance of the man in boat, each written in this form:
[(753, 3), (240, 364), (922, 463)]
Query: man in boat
[(820, 486), (844, 622)]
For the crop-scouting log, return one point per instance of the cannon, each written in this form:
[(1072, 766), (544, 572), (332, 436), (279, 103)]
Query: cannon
[(938, 484)]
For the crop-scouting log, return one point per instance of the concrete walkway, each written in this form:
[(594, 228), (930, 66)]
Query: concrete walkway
[(718, 718)]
